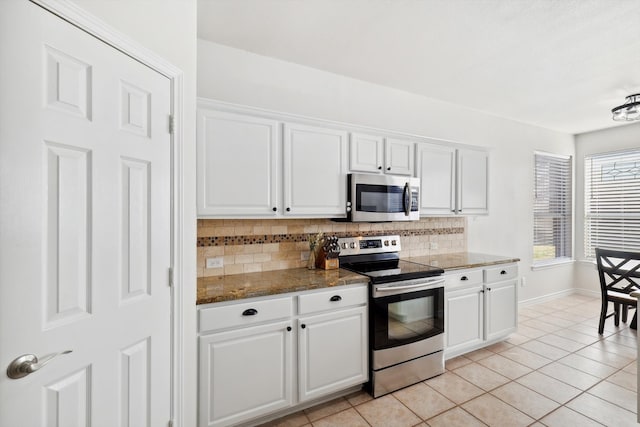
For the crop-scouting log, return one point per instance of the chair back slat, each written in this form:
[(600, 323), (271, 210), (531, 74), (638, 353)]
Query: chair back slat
[(619, 271)]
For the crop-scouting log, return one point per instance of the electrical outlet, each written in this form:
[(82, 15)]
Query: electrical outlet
[(433, 245), (304, 256), (216, 262)]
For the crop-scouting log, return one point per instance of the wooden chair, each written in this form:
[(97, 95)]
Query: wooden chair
[(619, 273)]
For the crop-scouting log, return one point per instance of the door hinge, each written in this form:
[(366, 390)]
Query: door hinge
[(170, 276), (172, 124)]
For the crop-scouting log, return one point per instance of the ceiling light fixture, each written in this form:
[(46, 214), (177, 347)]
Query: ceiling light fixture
[(628, 111)]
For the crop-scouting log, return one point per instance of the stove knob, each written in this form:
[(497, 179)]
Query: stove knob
[(345, 245), (352, 245), (386, 243), (393, 243)]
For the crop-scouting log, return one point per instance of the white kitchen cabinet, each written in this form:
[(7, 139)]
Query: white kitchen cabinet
[(464, 323), (366, 153), (238, 170), (502, 313), (315, 167), (258, 356), (453, 180), (245, 373), (473, 181), (376, 154), (481, 307), (332, 352)]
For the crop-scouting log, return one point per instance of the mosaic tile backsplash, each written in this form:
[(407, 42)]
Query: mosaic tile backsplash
[(248, 246)]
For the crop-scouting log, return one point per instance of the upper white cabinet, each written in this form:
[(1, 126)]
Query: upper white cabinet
[(452, 180), (371, 153), (473, 181), (314, 171), (398, 156), (365, 153), (238, 164)]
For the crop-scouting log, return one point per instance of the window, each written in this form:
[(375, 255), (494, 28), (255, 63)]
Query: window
[(612, 201), (552, 219)]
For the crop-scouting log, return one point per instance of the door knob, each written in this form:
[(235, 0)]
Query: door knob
[(29, 363)]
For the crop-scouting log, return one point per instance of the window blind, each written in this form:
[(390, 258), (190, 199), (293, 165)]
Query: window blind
[(552, 213), (612, 201)]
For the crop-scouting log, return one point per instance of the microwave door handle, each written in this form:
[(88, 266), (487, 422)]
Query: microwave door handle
[(406, 201)]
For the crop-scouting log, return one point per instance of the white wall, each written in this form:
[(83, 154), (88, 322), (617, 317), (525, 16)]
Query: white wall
[(241, 77), (612, 139), (168, 28)]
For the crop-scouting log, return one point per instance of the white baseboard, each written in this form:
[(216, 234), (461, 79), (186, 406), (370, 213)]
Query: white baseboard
[(556, 295)]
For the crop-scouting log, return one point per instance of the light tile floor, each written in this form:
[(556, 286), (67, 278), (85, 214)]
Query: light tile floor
[(555, 371)]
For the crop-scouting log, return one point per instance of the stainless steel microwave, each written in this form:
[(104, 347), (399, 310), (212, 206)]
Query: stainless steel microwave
[(377, 198)]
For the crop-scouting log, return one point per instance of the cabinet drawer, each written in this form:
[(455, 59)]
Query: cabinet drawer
[(499, 273), (215, 318), (331, 299), (463, 278)]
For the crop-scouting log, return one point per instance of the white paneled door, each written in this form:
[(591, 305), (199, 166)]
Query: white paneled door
[(85, 226)]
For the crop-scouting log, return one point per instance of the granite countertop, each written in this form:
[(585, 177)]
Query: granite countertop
[(461, 260), (249, 285)]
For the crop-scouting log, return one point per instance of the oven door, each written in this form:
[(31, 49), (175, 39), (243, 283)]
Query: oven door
[(383, 198), (406, 317)]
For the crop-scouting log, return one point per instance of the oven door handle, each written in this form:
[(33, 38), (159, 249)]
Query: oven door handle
[(402, 288), (406, 199)]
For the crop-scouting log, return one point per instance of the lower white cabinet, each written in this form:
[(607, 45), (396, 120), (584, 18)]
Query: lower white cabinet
[(332, 352), (245, 373), (481, 307), (258, 356)]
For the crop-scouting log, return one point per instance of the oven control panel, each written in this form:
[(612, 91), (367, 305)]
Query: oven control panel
[(369, 245)]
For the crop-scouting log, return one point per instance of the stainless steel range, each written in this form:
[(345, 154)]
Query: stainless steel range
[(406, 312)]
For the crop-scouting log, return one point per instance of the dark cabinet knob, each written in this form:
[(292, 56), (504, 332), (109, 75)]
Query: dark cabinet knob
[(303, 326), (389, 168), (464, 278), (289, 328), (288, 209), (275, 209), (503, 272), (250, 312), (488, 289), (335, 298), (379, 167)]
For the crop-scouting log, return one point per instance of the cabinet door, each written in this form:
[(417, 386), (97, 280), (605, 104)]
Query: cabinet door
[(464, 314), (398, 156), (238, 165), (365, 153), (245, 373), (436, 170), (473, 182), (315, 180), (501, 308), (332, 352)]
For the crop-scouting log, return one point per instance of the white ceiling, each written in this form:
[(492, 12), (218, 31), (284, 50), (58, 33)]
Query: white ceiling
[(559, 64)]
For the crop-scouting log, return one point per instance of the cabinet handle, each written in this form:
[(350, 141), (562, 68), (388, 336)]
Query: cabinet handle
[(250, 312), (275, 209), (335, 298), (389, 168), (303, 326), (289, 328), (488, 289), (379, 167), (288, 209), (503, 272), (464, 278)]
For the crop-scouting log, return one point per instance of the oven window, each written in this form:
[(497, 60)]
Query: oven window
[(410, 319), (406, 318)]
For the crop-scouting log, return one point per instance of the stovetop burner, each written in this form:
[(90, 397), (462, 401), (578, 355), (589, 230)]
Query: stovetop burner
[(378, 258)]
